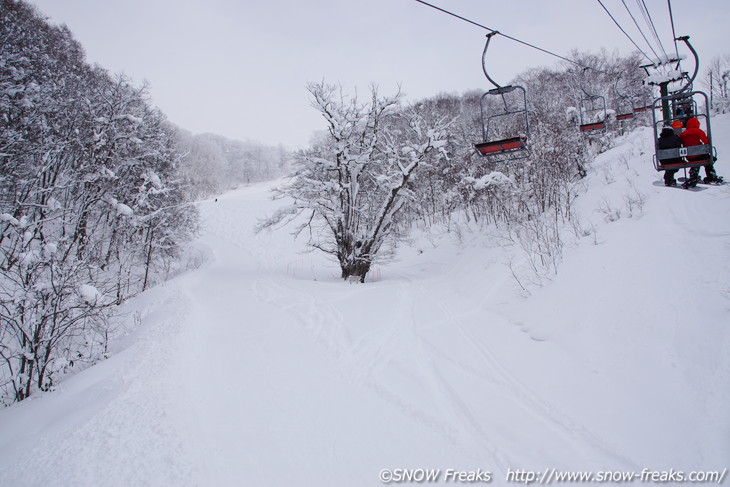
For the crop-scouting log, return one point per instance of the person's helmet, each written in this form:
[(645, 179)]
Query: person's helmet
[(677, 124)]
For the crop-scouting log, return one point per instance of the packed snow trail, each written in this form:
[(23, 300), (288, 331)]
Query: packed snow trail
[(263, 368)]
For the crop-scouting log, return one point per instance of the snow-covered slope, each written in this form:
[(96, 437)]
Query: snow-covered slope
[(263, 368)]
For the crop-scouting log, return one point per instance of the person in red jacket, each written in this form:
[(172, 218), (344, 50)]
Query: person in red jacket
[(694, 135)]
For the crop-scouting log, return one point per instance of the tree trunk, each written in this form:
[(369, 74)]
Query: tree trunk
[(148, 260), (355, 267)]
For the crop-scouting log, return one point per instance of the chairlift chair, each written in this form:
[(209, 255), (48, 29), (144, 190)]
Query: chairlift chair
[(493, 145), (642, 105), (686, 99), (623, 114), (624, 105), (692, 156), (593, 114), (514, 147)]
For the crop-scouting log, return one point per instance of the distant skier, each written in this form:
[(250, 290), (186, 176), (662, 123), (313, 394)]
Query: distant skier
[(694, 135), (669, 140)]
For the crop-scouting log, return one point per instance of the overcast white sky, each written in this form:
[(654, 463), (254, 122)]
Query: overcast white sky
[(239, 68)]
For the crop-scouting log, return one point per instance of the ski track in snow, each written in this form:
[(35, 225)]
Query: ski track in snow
[(559, 422), (263, 368)]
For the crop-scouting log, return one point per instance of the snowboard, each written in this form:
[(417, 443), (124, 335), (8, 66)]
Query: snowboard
[(679, 186), (681, 180)]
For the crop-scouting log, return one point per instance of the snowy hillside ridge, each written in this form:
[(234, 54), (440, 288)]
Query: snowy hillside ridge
[(263, 368)]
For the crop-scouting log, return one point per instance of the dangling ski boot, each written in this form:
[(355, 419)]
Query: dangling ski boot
[(691, 182), (713, 178)]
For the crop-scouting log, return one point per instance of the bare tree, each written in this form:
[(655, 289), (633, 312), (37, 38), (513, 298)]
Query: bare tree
[(717, 78), (355, 180)]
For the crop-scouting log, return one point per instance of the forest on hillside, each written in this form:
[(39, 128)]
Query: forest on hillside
[(96, 197)]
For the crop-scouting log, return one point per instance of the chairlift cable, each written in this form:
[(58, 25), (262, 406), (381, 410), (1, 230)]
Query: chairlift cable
[(674, 34), (627, 35), (510, 37), (653, 28), (647, 17), (639, 28)]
